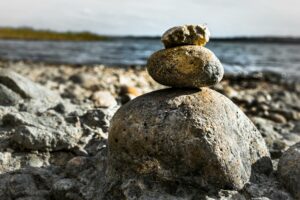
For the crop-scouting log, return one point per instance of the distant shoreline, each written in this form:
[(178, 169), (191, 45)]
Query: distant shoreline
[(29, 34)]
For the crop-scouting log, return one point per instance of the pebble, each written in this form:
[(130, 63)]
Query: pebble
[(65, 189), (186, 35), (85, 80), (124, 89), (103, 99), (277, 118)]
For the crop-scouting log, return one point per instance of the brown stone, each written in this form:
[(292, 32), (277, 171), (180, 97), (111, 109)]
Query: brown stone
[(185, 66)]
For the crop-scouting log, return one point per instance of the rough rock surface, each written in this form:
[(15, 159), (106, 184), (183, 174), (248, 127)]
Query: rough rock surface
[(195, 137), (186, 35), (41, 132), (185, 66), (50, 174), (16, 89), (8, 97), (289, 170), (25, 87)]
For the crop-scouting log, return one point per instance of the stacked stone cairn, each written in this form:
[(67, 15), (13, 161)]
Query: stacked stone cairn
[(187, 134)]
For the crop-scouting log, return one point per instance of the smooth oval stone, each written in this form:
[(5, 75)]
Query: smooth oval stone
[(185, 66), (186, 35)]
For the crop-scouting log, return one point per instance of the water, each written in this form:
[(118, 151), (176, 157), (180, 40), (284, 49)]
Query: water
[(236, 57)]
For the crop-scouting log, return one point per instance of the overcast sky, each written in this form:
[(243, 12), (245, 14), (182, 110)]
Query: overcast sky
[(153, 17)]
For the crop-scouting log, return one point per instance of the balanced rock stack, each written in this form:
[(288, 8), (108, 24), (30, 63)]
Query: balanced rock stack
[(187, 63), (187, 134)]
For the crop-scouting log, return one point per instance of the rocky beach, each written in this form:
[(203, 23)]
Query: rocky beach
[(69, 161), (57, 140)]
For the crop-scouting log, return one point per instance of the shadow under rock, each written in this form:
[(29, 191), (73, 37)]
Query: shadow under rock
[(263, 182)]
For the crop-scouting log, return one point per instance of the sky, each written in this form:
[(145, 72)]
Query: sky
[(224, 18)]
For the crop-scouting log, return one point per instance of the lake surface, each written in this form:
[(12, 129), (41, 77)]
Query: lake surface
[(237, 57)]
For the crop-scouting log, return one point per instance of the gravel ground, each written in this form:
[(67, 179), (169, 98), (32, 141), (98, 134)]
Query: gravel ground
[(53, 137)]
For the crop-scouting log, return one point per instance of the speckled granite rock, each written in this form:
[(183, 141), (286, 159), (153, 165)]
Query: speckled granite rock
[(195, 137), (185, 66), (186, 35), (289, 170)]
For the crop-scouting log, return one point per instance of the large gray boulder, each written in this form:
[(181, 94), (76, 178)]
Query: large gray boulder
[(194, 137), (289, 170)]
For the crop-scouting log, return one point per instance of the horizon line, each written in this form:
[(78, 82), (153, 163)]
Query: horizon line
[(266, 36)]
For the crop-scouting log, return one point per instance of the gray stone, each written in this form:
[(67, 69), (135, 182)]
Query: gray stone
[(186, 35), (8, 163), (268, 130), (28, 184), (99, 117), (230, 195), (77, 165), (196, 137), (265, 187), (12, 161), (25, 87), (21, 185), (66, 189), (30, 96), (41, 132), (4, 193), (289, 170), (8, 97), (85, 80), (185, 66)]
